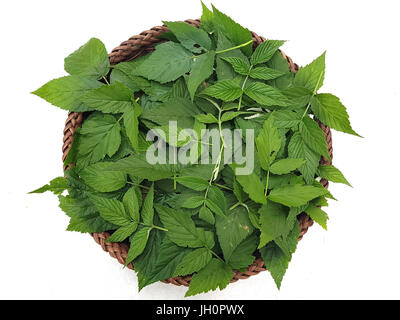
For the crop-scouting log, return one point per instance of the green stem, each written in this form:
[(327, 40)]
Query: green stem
[(305, 112), (266, 185), (241, 96), (105, 79), (226, 50), (206, 193), (151, 226), (236, 47), (314, 93), (217, 164), (244, 83), (235, 205), (214, 254), (138, 185), (223, 187), (203, 143), (159, 228), (221, 136)]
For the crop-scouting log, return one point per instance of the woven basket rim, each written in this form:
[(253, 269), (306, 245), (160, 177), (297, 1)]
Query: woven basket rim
[(131, 49)]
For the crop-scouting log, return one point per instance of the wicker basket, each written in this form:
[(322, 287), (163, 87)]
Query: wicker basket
[(133, 48)]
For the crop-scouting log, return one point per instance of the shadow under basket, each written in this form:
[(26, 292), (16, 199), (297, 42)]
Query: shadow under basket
[(136, 47)]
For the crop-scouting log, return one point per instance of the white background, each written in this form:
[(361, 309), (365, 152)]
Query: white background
[(359, 255)]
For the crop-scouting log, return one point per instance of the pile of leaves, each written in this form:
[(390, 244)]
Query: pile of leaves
[(199, 219)]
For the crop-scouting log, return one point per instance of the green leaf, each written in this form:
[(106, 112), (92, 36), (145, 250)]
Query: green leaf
[(255, 123), (202, 170), (193, 262), (298, 149), (224, 69), (168, 35), (77, 188), (232, 229), (295, 195), (111, 210), (243, 256), (206, 21), (202, 68), (265, 51), (138, 244), (66, 92), (318, 215), (226, 106), (314, 137), (284, 166), (122, 233), (206, 118), (113, 98), (228, 116), (214, 207), (137, 166), (240, 65), (173, 135), (266, 95), (312, 75), (90, 60), (57, 186), (168, 62), (280, 180), (238, 191), (265, 73), (216, 201), (131, 123), (73, 151), (252, 185), (216, 274), (193, 202), (273, 222), (327, 194), (275, 261), (192, 38), (268, 143), (157, 91), (321, 201), (299, 97), (182, 230), (170, 255), (131, 204), (333, 174), (194, 183), (84, 215), (226, 90), (147, 208), (330, 111), (100, 136), (288, 243), (176, 109), (234, 31), (286, 119), (97, 177), (254, 218), (278, 62), (124, 72), (145, 263), (180, 90), (206, 215)]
